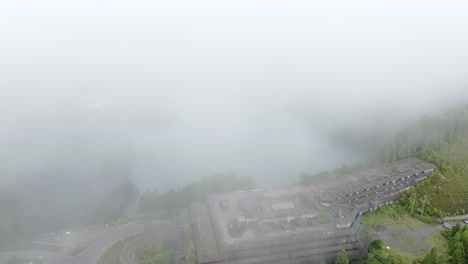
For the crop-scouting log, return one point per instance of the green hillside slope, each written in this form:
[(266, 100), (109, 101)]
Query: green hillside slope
[(443, 141)]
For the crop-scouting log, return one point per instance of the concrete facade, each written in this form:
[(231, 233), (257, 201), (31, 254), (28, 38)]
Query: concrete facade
[(299, 224)]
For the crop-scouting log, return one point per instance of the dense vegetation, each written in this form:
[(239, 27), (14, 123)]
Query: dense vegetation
[(342, 257), (443, 141), (378, 254), (159, 252), (458, 244), (157, 245), (153, 201), (428, 134)]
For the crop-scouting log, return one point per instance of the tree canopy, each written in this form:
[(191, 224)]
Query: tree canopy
[(342, 257)]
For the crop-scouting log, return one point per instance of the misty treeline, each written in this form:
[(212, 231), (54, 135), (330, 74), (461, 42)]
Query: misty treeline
[(153, 201), (440, 140), (424, 136), (37, 211), (420, 139), (87, 184), (431, 139)]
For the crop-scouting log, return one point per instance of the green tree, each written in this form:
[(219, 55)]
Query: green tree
[(458, 253), (342, 258), (432, 258), (376, 246), (455, 229), (371, 259), (375, 249), (394, 259), (464, 240)]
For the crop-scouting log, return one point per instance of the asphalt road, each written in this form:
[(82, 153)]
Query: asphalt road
[(90, 256), (458, 217)]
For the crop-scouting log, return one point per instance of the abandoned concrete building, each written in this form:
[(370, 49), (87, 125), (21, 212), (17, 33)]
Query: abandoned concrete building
[(299, 224)]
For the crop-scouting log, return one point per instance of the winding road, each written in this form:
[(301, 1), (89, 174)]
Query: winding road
[(89, 256)]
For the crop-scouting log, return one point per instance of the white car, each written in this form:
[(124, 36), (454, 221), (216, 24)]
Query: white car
[(465, 221)]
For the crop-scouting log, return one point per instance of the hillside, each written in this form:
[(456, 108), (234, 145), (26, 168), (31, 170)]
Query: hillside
[(443, 141), (448, 190)]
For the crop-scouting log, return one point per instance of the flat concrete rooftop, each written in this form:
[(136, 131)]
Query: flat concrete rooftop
[(264, 209)]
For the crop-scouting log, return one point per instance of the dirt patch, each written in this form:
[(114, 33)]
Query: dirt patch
[(379, 227), (408, 236), (410, 242)]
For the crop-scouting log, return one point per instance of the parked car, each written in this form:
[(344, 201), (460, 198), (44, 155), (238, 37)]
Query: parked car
[(465, 221)]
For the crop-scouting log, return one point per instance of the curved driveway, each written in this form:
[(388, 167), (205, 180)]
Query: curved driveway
[(92, 254), (89, 256)]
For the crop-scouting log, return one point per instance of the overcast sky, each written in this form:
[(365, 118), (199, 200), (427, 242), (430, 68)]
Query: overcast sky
[(192, 88)]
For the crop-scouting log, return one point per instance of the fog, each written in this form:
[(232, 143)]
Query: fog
[(165, 92)]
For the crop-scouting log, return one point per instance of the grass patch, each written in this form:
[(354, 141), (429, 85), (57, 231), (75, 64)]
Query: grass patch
[(323, 219), (112, 254), (156, 245), (185, 220), (80, 249), (384, 225), (206, 238), (438, 241), (377, 222), (136, 240), (410, 256), (406, 241)]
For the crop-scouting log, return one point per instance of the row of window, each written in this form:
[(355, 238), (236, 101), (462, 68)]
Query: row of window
[(377, 186)]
